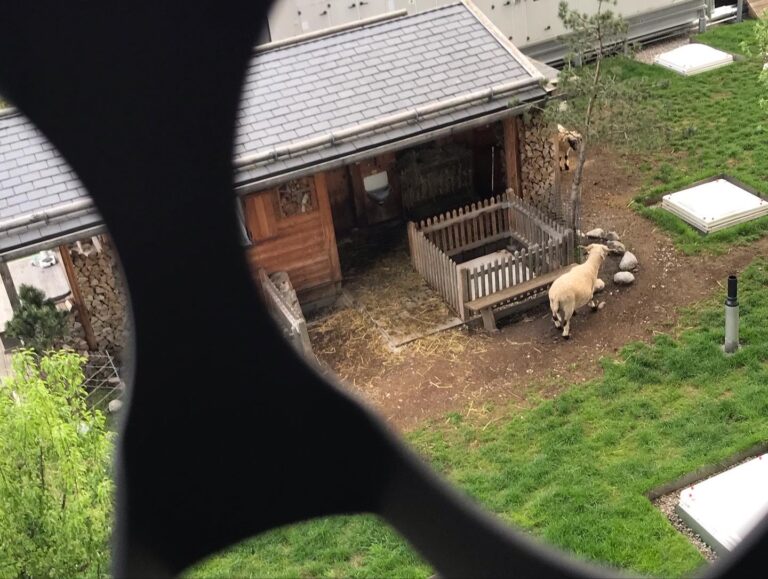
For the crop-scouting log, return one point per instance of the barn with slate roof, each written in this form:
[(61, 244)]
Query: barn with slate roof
[(392, 120), (373, 123)]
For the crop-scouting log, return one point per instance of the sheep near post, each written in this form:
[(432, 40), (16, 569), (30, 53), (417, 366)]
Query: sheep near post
[(576, 288)]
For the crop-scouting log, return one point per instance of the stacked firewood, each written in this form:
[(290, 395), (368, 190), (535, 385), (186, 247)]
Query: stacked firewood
[(539, 163), (103, 297)]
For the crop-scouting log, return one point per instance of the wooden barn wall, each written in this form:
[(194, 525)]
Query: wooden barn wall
[(488, 158), (303, 245), (452, 171)]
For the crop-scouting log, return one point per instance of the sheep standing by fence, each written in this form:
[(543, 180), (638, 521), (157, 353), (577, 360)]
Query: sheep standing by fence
[(576, 288)]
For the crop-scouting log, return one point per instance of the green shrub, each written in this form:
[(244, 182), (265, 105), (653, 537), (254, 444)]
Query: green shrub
[(55, 479), (37, 323)]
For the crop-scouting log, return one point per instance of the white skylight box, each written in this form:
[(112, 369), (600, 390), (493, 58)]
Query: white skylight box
[(693, 59), (726, 507), (715, 205)]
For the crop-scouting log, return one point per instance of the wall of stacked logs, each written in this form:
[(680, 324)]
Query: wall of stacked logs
[(102, 294), (538, 160)]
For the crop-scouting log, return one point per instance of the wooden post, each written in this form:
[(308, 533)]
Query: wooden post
[(10, 289), (512, 154), (324, 206), (77, 297), (489, 319)]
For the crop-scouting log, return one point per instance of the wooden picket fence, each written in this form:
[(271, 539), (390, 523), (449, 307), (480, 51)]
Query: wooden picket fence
[(435, 242), (292, 323), (468, 227), (437, 268), (522, 266)]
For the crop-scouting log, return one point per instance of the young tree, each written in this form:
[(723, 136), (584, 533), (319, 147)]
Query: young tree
[(37, 323), (594, 98), (55, 483)]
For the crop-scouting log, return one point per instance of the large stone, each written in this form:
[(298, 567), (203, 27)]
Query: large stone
[(616, 247), (612, 236), (623, 278), (596, 233), (114, 406), (628, 261)]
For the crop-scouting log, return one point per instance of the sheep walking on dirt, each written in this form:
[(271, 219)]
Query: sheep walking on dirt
[(576, 288)]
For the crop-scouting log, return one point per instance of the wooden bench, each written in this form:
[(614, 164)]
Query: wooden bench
[(533, 292)]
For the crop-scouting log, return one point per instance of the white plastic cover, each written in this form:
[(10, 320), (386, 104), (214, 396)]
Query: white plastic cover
[(715, 205), (693, 59), (726, 507)]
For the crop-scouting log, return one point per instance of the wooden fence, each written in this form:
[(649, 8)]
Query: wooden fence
[(291, 322), (435, 242), (520, 267), (436, 268), (468, 227)]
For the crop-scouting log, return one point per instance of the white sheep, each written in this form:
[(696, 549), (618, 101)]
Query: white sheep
[(576, 288)]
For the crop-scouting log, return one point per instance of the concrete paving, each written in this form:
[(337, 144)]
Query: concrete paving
[(52, 280)]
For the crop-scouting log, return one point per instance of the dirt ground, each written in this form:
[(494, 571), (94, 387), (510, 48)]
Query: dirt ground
[(474, 374)]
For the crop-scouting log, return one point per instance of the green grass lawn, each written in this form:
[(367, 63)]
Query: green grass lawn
[(715, 126), (574, 470)]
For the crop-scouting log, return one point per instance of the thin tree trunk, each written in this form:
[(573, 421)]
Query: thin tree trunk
[(578, 175), (576, 188)]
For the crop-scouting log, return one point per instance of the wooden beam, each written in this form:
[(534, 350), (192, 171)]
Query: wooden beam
[(512, 132), (10, 288), (326, 218), (85, 319)]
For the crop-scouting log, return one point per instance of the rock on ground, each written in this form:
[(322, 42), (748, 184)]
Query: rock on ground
[(612, 236), (616, 247), (114, 406), (623, 278), (596, 233), (628, 262)]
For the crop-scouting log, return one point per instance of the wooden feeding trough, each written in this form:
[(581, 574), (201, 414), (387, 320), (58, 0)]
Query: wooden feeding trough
[(490, 258)]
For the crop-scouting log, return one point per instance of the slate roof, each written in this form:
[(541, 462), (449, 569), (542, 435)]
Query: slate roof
[(298, 91), (340, 80), (33, 178)]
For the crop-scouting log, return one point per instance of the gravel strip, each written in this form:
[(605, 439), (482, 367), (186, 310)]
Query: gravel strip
[(646, 55), (666, 504)]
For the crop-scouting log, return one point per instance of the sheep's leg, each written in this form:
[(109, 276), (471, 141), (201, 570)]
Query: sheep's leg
[(555, 315), (593, 304), (567, 315)]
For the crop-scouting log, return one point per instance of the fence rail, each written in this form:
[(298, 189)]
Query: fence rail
[(293, 324), (435, 242)]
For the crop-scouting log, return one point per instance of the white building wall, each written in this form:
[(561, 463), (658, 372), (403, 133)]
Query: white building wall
[(524, 22)]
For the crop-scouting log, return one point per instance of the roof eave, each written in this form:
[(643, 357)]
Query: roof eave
[(331, 161)]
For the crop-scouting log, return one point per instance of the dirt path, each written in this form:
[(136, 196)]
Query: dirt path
[(528, 356)]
